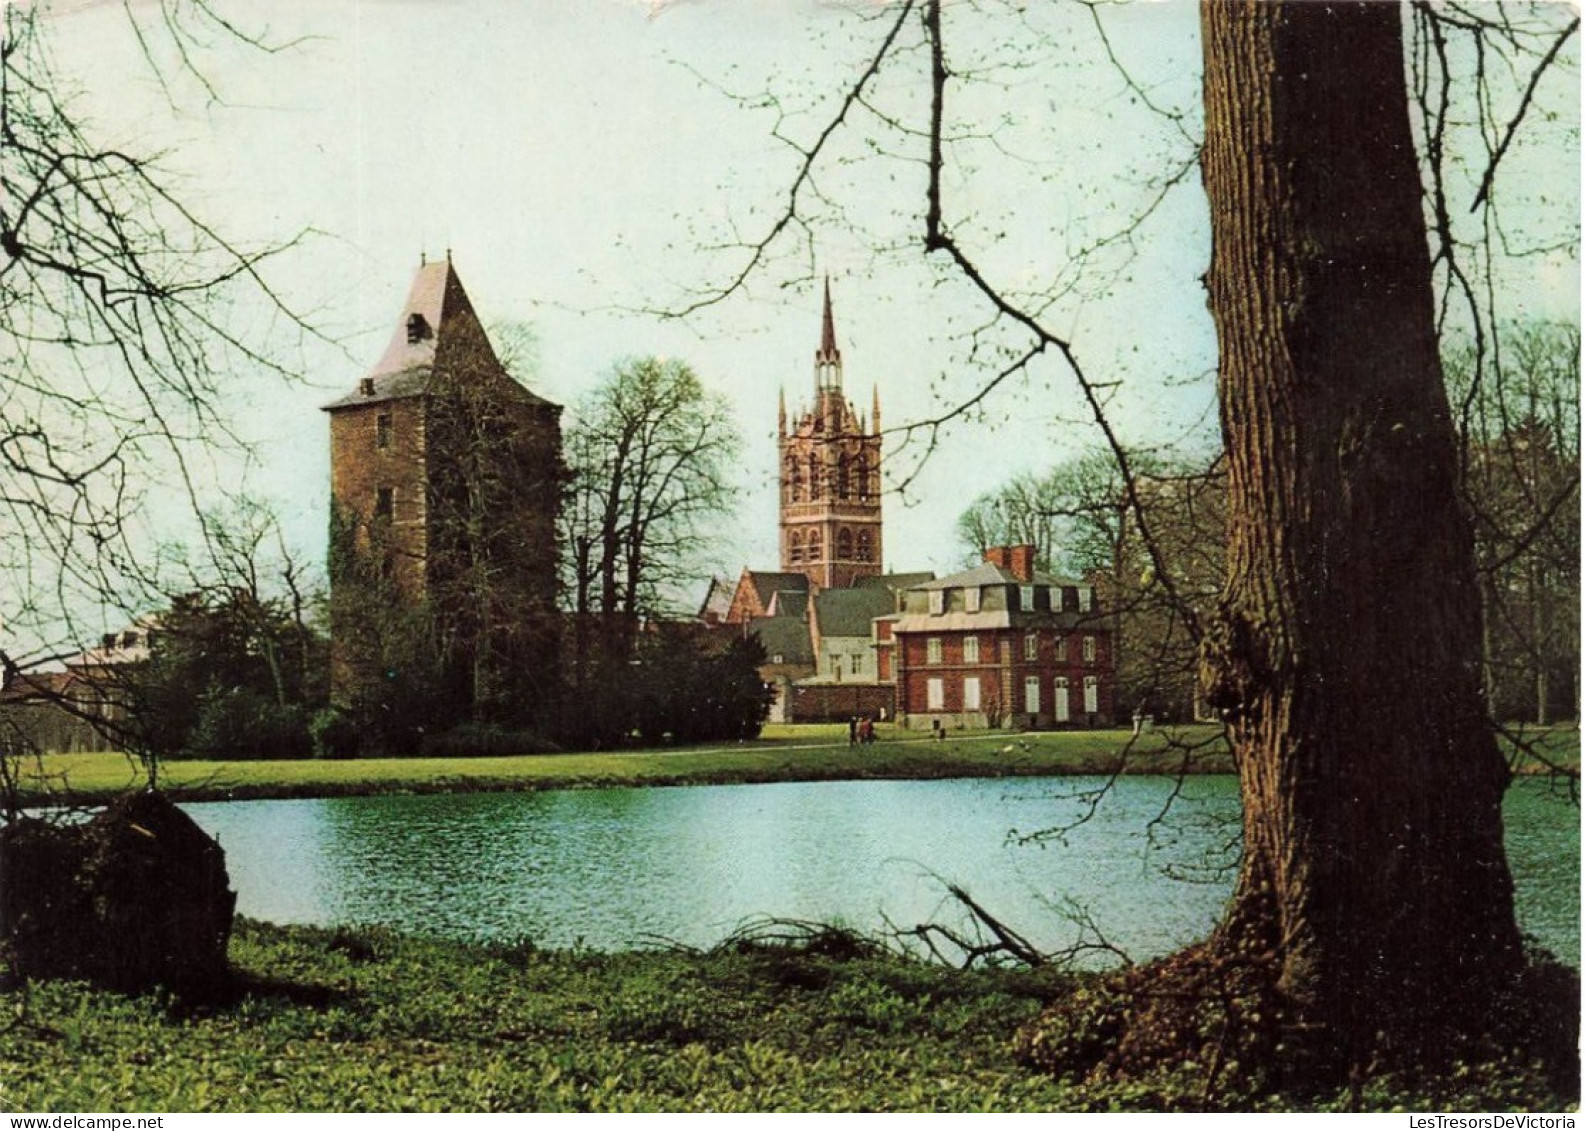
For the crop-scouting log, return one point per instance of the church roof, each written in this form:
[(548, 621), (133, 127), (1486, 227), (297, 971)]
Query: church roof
[(767, 585)]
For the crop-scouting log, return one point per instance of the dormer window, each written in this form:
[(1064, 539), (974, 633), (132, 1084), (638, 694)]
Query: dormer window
[(971, 599), (938, 602), (417, 328), (366, 387)]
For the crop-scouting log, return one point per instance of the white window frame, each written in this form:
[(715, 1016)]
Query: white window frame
[(971, 649), (932, 649), (1086, 598), (1026, 598), (1032, 695), (938, 602), (1089, 649), (1031, 646), (971, 599), (1060, 644), (1061, 705), (971, 693), (935, 694), (1092, 694)]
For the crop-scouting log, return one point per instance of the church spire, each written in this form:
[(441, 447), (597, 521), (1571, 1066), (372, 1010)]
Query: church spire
[(828, 359)]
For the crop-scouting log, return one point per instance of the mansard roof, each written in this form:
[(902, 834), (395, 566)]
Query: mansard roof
[(987, 574)]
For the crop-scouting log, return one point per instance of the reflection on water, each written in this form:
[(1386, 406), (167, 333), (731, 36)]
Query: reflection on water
[(615, 868)]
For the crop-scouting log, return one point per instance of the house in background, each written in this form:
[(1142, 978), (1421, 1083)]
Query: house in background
[(1000, 645), (80, 709)]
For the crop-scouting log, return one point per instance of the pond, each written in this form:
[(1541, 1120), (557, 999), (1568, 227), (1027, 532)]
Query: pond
[(617, 868)]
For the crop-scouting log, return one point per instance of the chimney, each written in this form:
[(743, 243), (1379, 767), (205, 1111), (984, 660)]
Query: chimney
[(1016, 560)]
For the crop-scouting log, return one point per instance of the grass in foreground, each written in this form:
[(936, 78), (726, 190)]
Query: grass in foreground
[(376, 1022)]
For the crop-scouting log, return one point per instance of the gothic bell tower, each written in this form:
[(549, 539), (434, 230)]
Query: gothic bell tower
[(830, 478)]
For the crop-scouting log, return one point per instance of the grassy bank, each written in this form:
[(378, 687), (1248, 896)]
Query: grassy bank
[(804, 753), (810, 753), (344, 1022)]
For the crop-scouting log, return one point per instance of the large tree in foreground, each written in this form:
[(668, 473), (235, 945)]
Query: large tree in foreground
[(1346, 657), (1372, 924)]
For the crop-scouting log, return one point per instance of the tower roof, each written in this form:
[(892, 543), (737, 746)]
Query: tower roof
[(435, 303), (828, 330)]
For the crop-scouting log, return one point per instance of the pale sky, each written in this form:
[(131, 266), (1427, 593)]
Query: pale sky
[(580, 157)]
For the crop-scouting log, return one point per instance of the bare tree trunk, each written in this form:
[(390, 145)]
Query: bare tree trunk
[(1347, 656)]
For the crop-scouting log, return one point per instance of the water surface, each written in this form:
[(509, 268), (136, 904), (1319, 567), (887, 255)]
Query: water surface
[(616, 868)]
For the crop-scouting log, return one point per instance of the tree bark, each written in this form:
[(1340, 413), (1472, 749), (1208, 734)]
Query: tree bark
[(1347, 654)]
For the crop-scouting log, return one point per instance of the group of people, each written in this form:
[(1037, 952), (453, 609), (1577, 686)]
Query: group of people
[(861, 731)]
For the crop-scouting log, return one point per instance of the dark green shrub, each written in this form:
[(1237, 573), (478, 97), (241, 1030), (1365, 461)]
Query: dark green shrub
[(485, 740), (334, 734), (244, 725)]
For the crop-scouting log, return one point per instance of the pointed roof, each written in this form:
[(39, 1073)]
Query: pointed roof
[(435, 301), (828, 332)]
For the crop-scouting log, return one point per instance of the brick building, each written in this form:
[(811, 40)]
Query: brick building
[(830, 461), (1000, 645), (446, 479)]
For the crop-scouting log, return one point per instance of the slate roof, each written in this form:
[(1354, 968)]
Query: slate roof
[(767, 585), (789, 603), (848, 612), (787, 637)]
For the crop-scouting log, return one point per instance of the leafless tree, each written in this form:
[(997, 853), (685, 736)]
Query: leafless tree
[(117, 305), (652, 454)]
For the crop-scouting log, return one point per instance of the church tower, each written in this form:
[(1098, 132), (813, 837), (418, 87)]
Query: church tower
[(830, 478)]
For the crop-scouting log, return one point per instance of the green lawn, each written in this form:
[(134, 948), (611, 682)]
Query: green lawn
[(784, 753), (341, 1021)]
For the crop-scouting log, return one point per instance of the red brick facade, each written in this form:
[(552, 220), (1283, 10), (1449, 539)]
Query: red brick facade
[(1001, 647), (1003, 672)]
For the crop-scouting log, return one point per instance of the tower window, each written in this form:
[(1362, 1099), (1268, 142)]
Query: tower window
[(844, 545), (866, 547), (382, 430), (384, 499)]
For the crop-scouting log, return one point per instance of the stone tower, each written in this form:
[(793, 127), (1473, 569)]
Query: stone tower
[(830, 478), (445, 482)]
